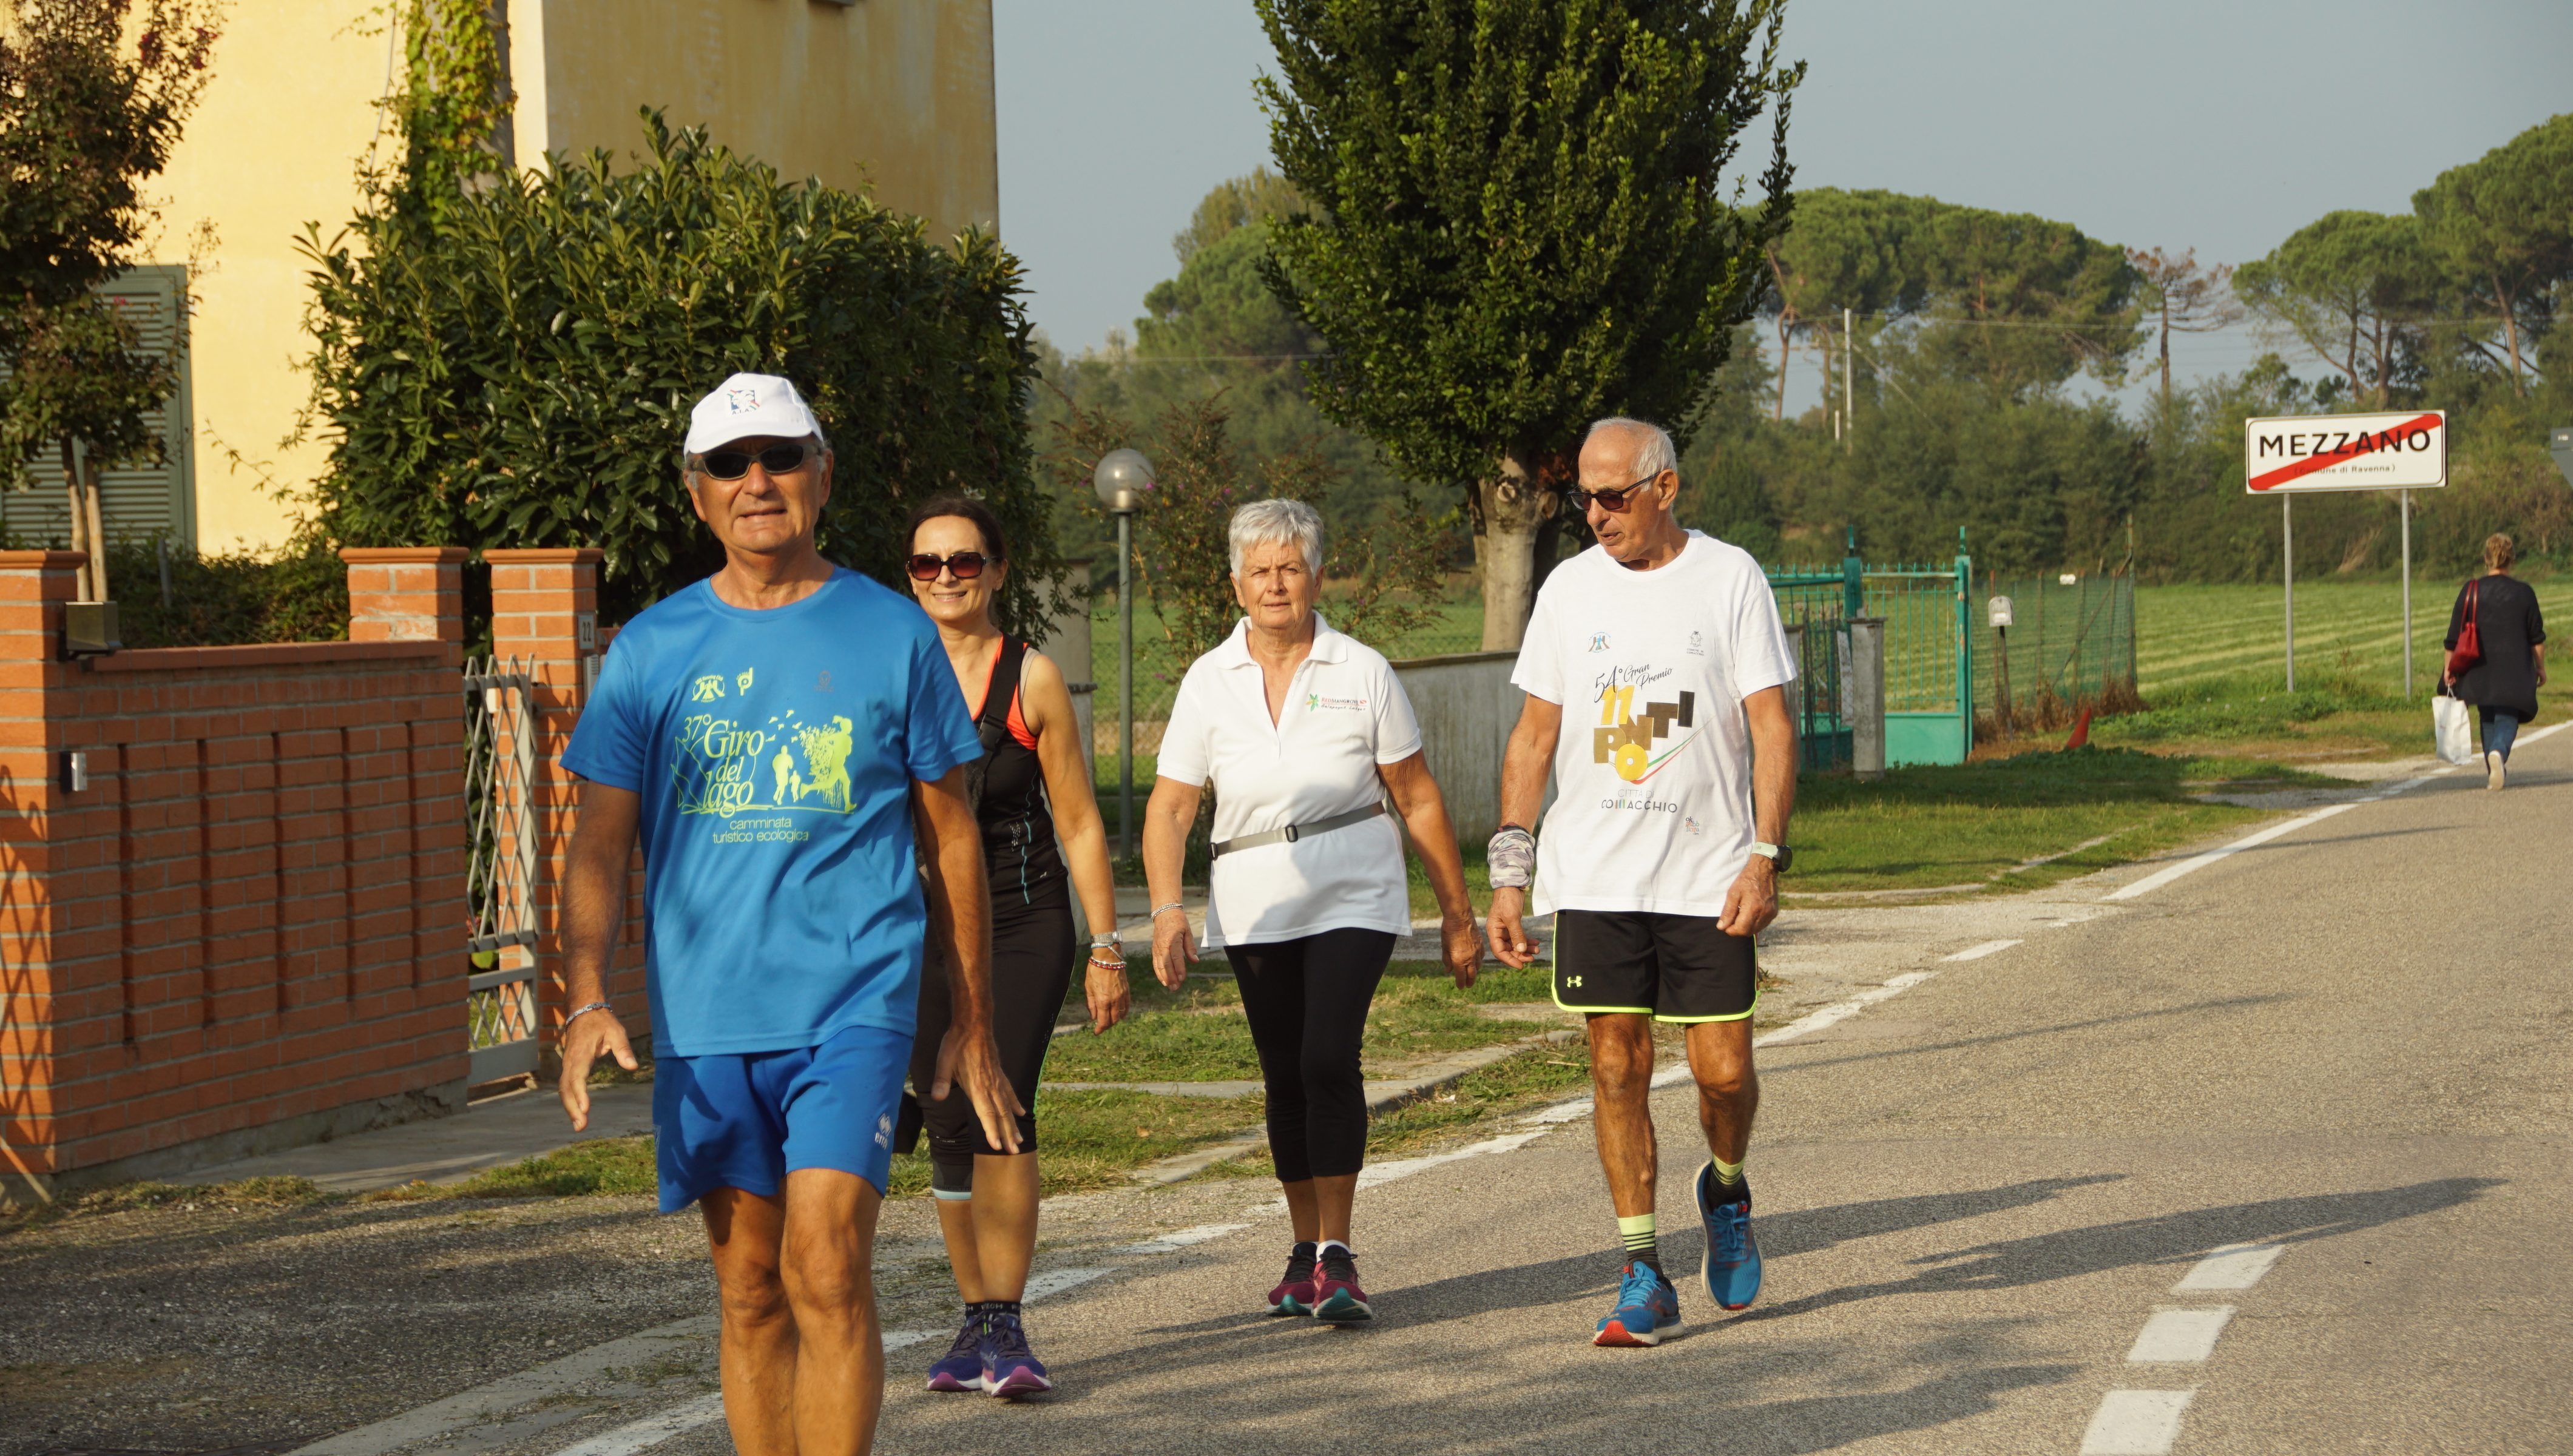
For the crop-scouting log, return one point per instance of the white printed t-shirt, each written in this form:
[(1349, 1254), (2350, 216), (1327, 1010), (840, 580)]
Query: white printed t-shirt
[(1345, 714), (1652, 771)]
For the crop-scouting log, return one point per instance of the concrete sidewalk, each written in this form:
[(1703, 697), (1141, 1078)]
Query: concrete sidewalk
[(493, 1132)]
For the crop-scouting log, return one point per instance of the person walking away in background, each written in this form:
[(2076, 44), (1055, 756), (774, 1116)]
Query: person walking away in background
[(785, 930), (1033, 782), (1661, 854), (2503, 684), (1304, 734)]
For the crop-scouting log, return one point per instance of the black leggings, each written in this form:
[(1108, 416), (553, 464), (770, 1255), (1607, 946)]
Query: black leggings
[(1031, 956), (1306, 1000)]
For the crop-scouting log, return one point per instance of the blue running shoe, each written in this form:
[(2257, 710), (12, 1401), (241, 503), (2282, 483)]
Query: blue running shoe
[(1732, 1269), (1647, 1309), (960, 1368), (1009, 1367)]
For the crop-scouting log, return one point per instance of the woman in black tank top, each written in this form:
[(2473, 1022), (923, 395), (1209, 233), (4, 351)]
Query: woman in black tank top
[(1032, 797)]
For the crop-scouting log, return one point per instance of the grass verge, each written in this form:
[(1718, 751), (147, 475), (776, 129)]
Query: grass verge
[(2016, 823)]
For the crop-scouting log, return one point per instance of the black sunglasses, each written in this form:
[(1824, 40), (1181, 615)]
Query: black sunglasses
[(776, 459), (966, 564), (1612, 502)]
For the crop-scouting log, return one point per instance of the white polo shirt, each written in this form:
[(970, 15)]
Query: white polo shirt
[(1652, 770), (1345, 714)]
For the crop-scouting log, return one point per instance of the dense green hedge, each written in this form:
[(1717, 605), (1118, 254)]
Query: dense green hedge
[(515, 367), (301, 596)]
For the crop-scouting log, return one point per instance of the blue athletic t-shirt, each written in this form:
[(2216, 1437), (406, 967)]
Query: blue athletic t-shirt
[(774, 753)]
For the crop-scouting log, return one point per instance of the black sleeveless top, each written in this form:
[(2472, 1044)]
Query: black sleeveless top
[(1018, 828)]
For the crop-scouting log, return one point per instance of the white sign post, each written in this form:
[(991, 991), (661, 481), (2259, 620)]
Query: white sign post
[(2402, 451)]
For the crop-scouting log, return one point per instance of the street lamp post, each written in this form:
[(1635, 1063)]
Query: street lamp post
[(1121, 479)]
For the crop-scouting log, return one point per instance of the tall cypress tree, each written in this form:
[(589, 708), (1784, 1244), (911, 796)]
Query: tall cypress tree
[(1519, 222)]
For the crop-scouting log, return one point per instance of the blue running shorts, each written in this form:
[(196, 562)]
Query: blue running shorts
[(746, 1119)]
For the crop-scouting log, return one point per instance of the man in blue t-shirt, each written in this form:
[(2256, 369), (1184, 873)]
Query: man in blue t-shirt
[(773, 732)]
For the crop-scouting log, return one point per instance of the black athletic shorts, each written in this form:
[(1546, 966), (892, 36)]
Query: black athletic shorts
[(1673, 968)]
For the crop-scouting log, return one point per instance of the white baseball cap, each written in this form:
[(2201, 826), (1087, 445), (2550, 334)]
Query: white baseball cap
[(748, 405)]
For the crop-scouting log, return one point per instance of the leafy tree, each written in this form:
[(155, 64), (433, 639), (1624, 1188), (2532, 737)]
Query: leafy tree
[(1237, 202), (2352, 287), (517, 367), (93, 94), (1519, 224), (1848, 250), (2507, 222), (1182, 547), (2182, 297), (2021, 304)]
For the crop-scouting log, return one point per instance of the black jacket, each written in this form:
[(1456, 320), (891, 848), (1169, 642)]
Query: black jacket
[(2507, 625)]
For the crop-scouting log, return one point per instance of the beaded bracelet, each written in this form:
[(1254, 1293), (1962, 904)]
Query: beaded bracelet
[(1158, 909)]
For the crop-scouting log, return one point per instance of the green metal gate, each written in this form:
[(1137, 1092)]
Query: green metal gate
[(1929, 655)]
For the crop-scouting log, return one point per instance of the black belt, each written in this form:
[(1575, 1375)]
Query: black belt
[(1294, 832)]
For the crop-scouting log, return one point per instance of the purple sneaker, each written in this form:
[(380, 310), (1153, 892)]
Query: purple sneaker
[(960, 1368), (1010, 1368)]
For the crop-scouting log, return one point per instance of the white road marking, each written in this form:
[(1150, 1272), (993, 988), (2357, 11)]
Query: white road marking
[(481, 1403), (2234, 1266), (2160, 878), (2540, 733), (2179, 1337), (1977, 953), (1055, 1281), (1378, 1174), (2135, 1423), (1178, 1239), (1835, 1013), (652, 1430)]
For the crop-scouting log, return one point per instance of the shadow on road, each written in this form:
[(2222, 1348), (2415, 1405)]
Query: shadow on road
[(2171, 1239), (1770, 1069)]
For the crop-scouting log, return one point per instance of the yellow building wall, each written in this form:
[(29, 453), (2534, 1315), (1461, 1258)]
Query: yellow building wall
[(891, 95)]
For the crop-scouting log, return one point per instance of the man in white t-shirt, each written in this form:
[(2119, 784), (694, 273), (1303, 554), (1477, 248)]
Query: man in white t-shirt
[(1673, 780)]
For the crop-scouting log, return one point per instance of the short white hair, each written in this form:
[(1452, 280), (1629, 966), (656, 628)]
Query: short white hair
[(1654, 453), (1265, 521)]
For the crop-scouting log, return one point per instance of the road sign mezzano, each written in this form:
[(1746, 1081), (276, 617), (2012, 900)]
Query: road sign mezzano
[(2399, 452)]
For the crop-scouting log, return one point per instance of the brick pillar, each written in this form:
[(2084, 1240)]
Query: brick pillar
[(55, 1012), (406, 593), (544, 612)]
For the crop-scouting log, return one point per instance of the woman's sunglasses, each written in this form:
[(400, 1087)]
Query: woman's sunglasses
[(966, 564), (776, 459), (1612, 502)]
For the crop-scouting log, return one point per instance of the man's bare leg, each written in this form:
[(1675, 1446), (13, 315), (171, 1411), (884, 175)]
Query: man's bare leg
[(828, 1269), (1621, 1078), (745, 1231), (1728, 1088)]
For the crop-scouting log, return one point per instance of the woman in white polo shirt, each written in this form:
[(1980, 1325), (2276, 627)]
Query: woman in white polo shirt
[(1304, 734)]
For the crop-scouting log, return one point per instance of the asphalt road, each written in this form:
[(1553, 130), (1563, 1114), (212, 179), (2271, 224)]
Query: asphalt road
[(2295, 1122), (2350, 1041)]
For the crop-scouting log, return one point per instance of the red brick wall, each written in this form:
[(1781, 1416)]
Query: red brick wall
[(254, 913), (538, 600)]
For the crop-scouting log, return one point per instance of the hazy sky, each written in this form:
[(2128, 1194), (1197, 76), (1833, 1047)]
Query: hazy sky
[(2219, 125)]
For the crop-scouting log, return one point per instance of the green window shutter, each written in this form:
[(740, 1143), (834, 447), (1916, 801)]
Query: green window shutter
[(139, 501)]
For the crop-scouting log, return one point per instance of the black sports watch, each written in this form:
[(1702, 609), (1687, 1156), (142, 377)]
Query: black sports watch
[(1780, 855)]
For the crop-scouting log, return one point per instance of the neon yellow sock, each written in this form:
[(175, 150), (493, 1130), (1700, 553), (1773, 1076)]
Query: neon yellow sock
[(1642, 1243), (1728, 1174)]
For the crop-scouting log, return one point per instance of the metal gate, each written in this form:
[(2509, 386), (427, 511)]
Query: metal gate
[(1929, 655), (501, 869)]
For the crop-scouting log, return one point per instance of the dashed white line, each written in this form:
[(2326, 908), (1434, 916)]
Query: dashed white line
[(1178, 1239), (2135, 1423), (1837, 1011), (1055, 1281), (2234, 1266), (1977, 953), (2160, 878), (652, 1430), (2179, 1337)]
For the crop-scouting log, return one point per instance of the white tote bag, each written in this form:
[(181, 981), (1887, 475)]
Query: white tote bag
[(2454, 724)]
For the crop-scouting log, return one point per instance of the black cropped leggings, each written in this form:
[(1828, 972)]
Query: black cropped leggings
[(1032, 960), (1306, 1000)]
